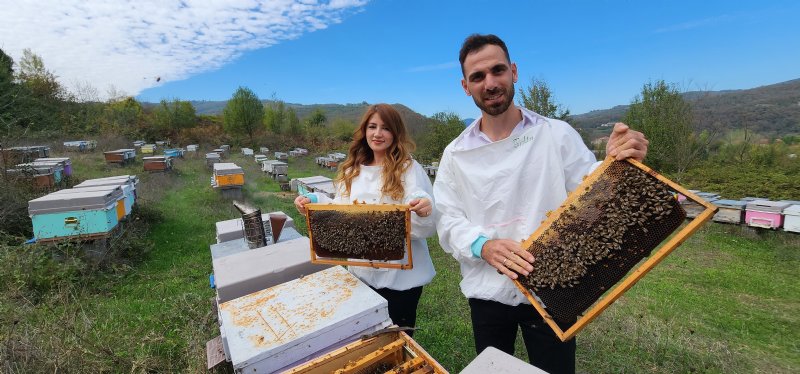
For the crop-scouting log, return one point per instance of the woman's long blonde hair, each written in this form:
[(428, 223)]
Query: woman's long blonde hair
[(398, 156)]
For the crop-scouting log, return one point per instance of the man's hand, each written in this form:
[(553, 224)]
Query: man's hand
[(422, 207), (300, 203), (508, 257), (626, 143)]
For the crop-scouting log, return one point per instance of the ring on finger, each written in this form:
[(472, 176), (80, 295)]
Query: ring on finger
[(504, 261)]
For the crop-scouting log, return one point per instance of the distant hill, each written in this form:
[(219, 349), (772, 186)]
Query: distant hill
[(772, 110), (350, 112)]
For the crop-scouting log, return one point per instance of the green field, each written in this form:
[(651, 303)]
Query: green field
[(727, 300)]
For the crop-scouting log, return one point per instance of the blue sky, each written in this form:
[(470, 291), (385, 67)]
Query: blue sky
[(593, 54)]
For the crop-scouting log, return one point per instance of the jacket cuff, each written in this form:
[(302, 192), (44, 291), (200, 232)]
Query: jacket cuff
[(311, 196), (477, 246)]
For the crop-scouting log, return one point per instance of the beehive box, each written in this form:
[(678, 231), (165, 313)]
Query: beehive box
[(765, 214), (730, 211), (493, 360), (616, 218), (148, 149), (281, 155), (247, 151), (83, 214), (173, 152), (263, 150), (41, 168), (227, 175), (391, 352), (305, 185), (236, 246), (233, 229), (260, 158), (279, 327), (373, 235), (157, 163), (121, 207), (65, 162), (247, 271), (39, 179), (791, 218)]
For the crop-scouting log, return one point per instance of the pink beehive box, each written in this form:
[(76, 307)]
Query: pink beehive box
[(765, 214)]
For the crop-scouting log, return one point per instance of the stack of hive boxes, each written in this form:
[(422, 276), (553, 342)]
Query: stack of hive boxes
[(89, 210)]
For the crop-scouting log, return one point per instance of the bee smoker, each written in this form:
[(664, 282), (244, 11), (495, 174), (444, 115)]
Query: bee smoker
[(258, 233)]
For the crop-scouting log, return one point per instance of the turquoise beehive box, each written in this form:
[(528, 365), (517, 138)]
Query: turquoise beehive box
[(123, 208), (73, 215)]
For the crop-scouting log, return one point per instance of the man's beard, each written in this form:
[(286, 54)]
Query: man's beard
[(497, 109)]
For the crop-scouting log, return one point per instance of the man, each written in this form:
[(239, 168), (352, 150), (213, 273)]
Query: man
[(495, 183)]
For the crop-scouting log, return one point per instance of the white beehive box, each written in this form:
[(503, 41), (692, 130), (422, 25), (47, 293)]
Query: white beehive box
[(232, 247), (791, 220), (246, 272), (278, 327), (495, 361)]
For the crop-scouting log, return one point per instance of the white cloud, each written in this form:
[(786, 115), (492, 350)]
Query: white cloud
[(129, 44)]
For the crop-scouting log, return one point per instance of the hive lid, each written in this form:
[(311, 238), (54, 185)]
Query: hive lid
[(792, 210), (767, 206), (154, 158), (116, 191), (314, 179), (227, 168), (278, 326), (56, 159), (54, 203), (736, 204)]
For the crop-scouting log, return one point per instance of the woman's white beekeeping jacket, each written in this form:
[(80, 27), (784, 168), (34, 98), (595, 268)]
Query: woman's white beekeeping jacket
[(366, 187), (502, 190)]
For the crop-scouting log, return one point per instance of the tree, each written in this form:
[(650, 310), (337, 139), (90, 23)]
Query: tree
[(343, 129), (123, 116), (293, 122), (171, 116), (316, 119), (39, 80), (442, 128), (275, 116), (661, 113), (244, 113), (539, 98)]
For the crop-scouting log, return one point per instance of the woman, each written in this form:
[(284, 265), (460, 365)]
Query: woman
[(379, 170)]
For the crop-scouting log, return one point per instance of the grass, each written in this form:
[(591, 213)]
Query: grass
[(725, 301)]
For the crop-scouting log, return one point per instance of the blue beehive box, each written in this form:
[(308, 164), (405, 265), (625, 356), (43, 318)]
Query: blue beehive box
[(123, 208), (73, 215)]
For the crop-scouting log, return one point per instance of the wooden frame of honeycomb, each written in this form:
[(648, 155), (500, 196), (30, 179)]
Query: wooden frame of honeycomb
[(391, 352), (366, 234), (576, 206)]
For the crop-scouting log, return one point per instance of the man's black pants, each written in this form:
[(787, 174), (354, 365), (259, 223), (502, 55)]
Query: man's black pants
[(402, 306), (495, 324)]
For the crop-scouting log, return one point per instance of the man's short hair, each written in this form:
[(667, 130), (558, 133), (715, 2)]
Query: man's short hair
[(475, 42)]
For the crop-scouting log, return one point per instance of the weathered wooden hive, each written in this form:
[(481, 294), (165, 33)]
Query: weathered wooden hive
[(607, 226), (157, 163), (730, 211)]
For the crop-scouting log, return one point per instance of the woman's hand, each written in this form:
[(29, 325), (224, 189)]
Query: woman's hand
[(422, 207), (300, 203)]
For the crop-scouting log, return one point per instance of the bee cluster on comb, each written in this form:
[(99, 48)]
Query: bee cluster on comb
[(597, 238), (370, 235)]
